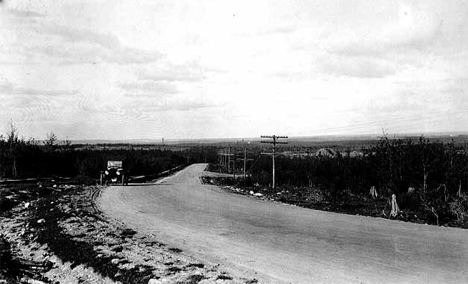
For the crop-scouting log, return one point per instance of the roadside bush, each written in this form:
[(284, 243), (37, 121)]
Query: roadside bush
[(316, 195), (459, 207), (81, 179), (409, 201)]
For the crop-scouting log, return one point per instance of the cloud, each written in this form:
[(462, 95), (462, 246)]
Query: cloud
[(455, 91), (72, 35), (80, 45), (41, 37), (8, 89), (360, 67), (148, 89), (280, 29), (28, 105), (170, 104), (191, 72), (413, 29), (21, 14)]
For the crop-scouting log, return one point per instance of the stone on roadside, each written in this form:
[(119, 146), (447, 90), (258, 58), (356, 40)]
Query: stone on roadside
[(115, 261), (33, 281), (154, 281)]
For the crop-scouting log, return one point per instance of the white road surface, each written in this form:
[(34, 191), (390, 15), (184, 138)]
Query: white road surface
[(278, 243)]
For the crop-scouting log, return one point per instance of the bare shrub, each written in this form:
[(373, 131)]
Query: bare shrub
[(316, 195), (459, 207)]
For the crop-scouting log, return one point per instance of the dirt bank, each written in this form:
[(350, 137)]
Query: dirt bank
[(55, 234)]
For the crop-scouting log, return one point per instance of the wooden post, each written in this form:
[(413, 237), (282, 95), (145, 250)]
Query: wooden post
[(273, 156), (229, 160), (234, 165), (395, 208), (245, 162), (274, 142)]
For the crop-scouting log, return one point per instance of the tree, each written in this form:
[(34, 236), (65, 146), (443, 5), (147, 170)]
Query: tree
[(66, 144), (50, 141), (13, 141)]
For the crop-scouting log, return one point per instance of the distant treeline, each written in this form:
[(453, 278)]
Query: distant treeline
[(20, 158), (392, 165)]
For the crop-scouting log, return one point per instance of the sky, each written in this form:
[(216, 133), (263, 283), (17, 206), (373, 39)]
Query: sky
[(225, 69)]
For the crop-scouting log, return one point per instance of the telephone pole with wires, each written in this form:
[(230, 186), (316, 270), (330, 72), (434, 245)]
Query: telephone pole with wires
[(245, 162), (274, 141), (225, 158)]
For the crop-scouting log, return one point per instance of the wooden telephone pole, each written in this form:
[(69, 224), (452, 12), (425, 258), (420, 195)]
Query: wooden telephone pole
[(225, 158), (245, 161), (274, 141)]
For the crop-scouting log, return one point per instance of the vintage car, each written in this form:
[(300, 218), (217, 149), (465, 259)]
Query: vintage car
[(114, 174)]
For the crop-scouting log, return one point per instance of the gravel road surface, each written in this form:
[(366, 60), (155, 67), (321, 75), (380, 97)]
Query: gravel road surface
[(279, 243)]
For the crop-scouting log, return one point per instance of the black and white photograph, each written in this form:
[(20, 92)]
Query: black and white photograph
[(222, 141)]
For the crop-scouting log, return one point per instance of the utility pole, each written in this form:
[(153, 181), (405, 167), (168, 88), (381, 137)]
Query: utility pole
[(245, 160), (225, 158), (229, 160), (234, 165), (274, 141)]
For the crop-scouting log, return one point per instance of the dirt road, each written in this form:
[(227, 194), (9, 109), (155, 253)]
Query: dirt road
[(282, 243)]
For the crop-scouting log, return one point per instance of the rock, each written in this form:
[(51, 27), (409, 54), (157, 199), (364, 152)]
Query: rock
[(33, 281), (115, 260), (251, 192), (154, 281), (26, 205), (40, 221), (258, 194)]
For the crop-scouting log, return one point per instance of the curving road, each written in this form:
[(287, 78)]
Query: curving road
[(278, 243)]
